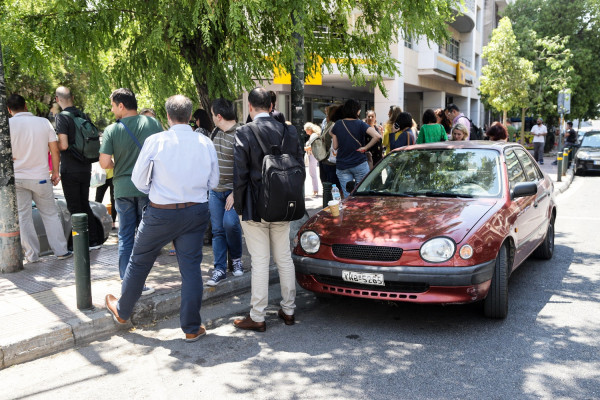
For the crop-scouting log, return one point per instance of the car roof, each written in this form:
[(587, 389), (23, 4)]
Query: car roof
[(590, 133), (464, 144)]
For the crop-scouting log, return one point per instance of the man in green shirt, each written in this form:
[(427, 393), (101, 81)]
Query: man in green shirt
[(122, 141), (511, 130)]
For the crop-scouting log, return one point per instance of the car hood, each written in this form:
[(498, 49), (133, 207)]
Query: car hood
[(399, 221)]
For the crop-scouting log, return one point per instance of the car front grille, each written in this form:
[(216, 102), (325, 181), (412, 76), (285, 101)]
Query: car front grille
[(367, 253), (397, 287)]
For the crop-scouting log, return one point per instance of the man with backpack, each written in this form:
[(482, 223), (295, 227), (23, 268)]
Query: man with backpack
[(266, 204), (122, 142), (75, 161)]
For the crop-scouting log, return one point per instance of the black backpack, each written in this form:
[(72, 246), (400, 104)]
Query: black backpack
[(87, 138), (475, 133), (281, 197)]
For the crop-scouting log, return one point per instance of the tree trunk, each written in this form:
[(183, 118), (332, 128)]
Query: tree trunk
[(297, 89), (11, 254), (504, 113), (522, 138)]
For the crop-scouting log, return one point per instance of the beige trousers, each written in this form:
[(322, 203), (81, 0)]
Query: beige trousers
[(262, 238)]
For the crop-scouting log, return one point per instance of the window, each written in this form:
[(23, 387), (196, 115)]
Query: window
[(533, 174), (408, 42), (451, 49), (515, 171)]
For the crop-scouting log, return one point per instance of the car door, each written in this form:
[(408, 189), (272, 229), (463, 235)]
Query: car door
[(523, 212), (542, 201)]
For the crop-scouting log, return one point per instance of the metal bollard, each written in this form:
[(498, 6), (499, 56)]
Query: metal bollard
[(565, 162), (559, 159), (81, 255)]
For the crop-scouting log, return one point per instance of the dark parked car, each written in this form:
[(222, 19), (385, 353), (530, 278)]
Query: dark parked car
[(99, 210), (587, 157), (437, 223)]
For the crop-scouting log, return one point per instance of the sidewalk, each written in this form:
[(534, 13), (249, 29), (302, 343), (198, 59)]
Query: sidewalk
[(38, 309), (551, 170), (38, 305)]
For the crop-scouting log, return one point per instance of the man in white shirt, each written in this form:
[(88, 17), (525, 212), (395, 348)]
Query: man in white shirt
[(176, 168), (539, 133), (31, 137)]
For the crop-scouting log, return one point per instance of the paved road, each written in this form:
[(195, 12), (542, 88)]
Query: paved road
[(546, 348)]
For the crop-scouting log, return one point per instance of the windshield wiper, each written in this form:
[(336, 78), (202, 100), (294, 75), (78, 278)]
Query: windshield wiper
[(447, 194), (378, 193)]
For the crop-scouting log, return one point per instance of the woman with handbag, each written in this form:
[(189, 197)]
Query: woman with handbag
[(313, 132), (402, 133), (348, 136)]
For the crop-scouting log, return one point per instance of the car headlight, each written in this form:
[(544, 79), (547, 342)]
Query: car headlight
[(438, 250), (310, 242), (582, 155)]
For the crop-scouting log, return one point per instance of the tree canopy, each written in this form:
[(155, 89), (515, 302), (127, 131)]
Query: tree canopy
[(507, 78), (562, 39), (206, 48)]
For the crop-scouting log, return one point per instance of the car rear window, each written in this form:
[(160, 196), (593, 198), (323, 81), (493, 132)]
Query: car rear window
[(454, 172)]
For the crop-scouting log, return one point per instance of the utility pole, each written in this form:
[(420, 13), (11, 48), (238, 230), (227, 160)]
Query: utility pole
[(11, 254)]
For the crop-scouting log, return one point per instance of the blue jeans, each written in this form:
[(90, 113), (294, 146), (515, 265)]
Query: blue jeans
[(354, 173), (226, 229), (185, 227), (130, 210)]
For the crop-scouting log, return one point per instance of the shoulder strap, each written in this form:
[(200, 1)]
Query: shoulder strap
[(350, 133), (256, 132), (137, 142), (68, 114)]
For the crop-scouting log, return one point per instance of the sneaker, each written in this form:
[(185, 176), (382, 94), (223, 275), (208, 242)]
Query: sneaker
[(95, 247), (68, 254), (217, 277), (541, 163), (147, 290), (237, 267)]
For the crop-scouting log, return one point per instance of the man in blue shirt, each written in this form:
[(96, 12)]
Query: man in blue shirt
[(176, 168)]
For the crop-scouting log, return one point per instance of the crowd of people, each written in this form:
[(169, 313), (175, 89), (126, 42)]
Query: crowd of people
[(170, 186)]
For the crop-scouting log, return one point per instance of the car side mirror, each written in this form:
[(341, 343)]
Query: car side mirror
[(350, 186), (524, 189)]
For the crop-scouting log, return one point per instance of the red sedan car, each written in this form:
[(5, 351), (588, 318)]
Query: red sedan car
[(435, 223)]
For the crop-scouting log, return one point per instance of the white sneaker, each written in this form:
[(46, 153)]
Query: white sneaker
[(238, 270), (216, 278), (147, 290)]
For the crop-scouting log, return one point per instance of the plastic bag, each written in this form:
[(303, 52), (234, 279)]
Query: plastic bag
[(98, 176)]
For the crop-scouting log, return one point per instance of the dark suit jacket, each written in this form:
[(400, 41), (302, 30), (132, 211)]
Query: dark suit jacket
[(248, 155)]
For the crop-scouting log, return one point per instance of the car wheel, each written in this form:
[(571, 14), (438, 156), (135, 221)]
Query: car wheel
[(495, 304), (545, 251)]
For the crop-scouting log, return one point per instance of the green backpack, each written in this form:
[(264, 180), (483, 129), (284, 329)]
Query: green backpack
[(87, 139)]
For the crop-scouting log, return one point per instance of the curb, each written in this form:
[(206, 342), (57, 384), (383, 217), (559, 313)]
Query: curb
[(98, 323)]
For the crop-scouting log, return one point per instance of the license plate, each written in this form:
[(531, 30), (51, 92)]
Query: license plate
[(596, 162), (363, 277)]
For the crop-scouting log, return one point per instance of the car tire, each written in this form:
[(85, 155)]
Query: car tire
[(545, 250), (495, 305)]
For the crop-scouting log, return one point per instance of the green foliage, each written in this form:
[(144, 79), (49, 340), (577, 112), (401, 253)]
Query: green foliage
[(562, 39), (208, 48), (506, 79)]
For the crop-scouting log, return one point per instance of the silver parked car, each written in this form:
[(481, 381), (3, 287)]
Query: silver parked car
[(102, 217)]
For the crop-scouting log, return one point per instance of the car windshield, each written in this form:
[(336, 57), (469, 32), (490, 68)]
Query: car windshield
[(435, 173), (592, 140)]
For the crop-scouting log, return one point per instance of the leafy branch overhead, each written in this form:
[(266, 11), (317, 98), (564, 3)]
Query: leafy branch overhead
[(211, 48)]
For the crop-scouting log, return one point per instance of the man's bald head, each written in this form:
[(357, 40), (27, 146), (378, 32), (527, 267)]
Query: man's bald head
[(64, 98)]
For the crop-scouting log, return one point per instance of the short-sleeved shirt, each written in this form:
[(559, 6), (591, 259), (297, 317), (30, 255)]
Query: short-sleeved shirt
[(572, 138), (29, 138), (536, 130), (348, 143), (431, 133), (117, 142), (69, 163)]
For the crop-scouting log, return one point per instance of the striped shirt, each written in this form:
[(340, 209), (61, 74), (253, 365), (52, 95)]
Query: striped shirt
[(224, 142)]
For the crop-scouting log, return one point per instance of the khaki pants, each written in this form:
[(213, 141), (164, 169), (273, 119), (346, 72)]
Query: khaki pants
[(43, 195), (262, 238)]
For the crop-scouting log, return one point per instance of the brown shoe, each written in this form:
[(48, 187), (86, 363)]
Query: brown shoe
[(288, 319), (192, 337), (250, 325), (111, 304)]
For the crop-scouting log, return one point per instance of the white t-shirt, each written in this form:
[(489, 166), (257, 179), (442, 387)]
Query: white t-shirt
[(29, 138), (536, 131)]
